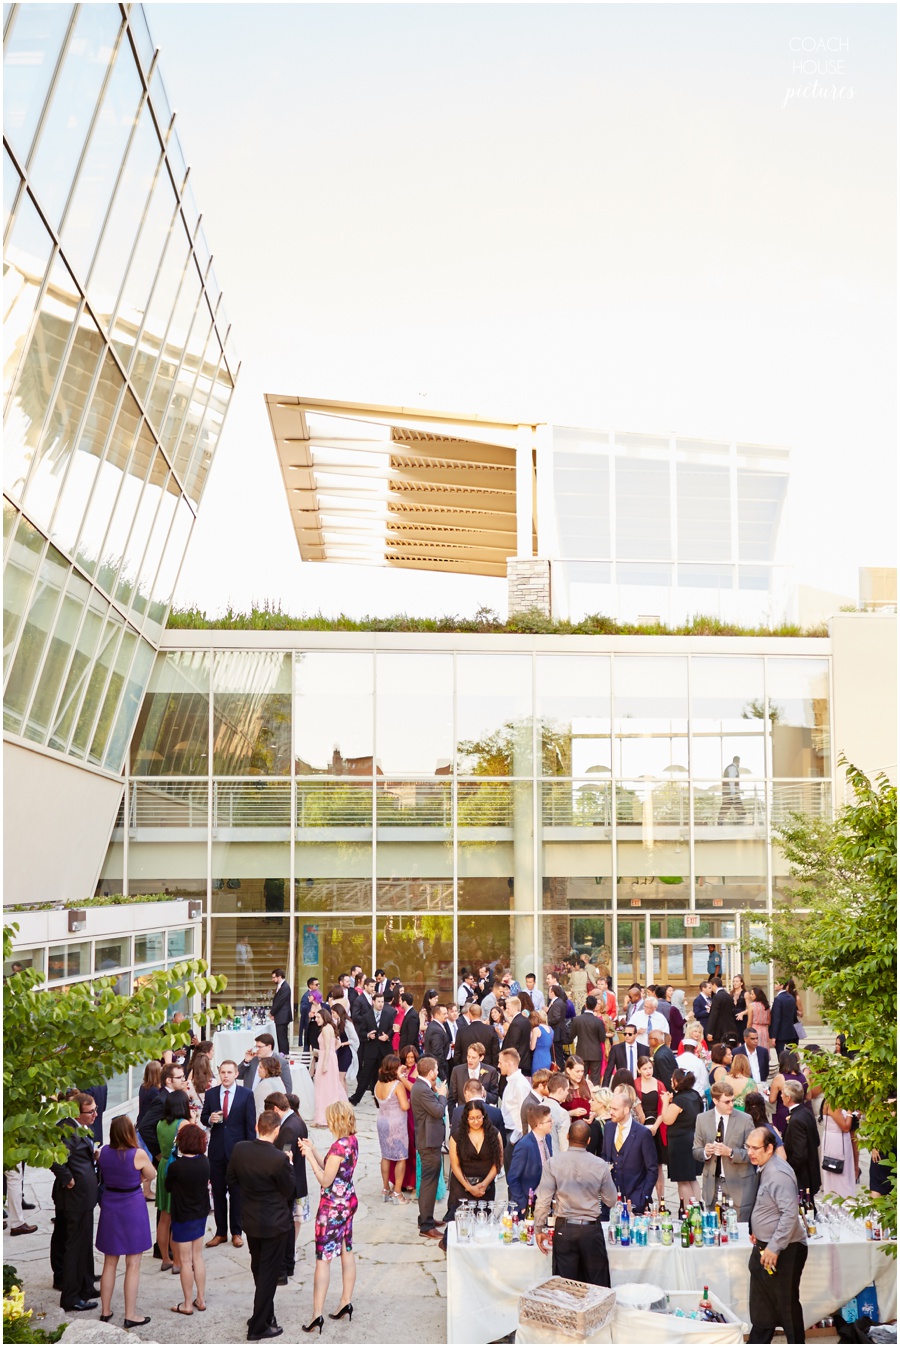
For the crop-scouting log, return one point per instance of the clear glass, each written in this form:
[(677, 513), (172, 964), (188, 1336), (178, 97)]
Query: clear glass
[(704, 512), (486, 939), (329, 946), (18, 577), (96, 685), (68, 961), (252, 713), (188, 407), (732, 802), (116, 495), (333, 804), (333, 714), (172, 734), (578, 893), (631, 956), (648, 804), (578, 804), (727, 716), (30, 55), (72, 106), (39, 623), (143, 41), (494, 715), (112, 695), (761, 497), (485, 880), (25, 259), (572, 704), (22, 959), (180, 944), (79, 670), (11, 184), (566, 936), (135, 684), (799, 716), (165, 510), (112, 952), (149, 948), (414, 804), (414, 714), (332, 877), (59, 652), (169, 804), (250, 877), (651, 705), (811, 798), (206, 441), (260, 806), (734, 891), (582, 493), (643, 519), (246, 949), (176, 544), (97, 178), (413, 894), (703, 576), (418, 949), (185, 373), (129, 573), (159, 312)]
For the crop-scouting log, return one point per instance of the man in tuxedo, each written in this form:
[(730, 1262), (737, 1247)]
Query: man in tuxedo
[(282, 1009), (589, 1036), (354, 989), (530, 1155), (723, 1025), (365, 1022), (664, 1060), (384, 1019), (783, 1019), (623, 1056), (630, 1151), (720, 1145), (453, 1023), (75, 1193), (474, 1068), (291, 1131), (758, 1057), (428, 1101), (265, 1178), (229, 1111), (702, 1004), (437, 1041), (381, 982), (801, 1139), (409, 1025), (518, 1034), (476, 1030), (265, 1047), (308, 1002)]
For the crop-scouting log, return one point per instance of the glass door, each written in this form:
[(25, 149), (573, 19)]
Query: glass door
[(684, 963), (631, 961)]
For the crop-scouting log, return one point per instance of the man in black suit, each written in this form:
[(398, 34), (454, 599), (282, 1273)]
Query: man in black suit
[(474, 1068), (758, 1057), (381, 982), (518, 1034), (282, 1009), (365, 1023), (589, 1035), (409, 1025), (229, 1111), (75, 1192), (476, 1030), (438, 1041), (722, 1025), (664, 1059), (623, 1056), (801, 1138), (266, 1181), (355, 987), (702, 1003), (291, 1132), (384, 1018), (428, 1101), (783, 1020)]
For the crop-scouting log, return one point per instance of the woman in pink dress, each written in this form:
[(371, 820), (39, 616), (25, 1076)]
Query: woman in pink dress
[(760, 1015), (328, 1087), (408, 1075)]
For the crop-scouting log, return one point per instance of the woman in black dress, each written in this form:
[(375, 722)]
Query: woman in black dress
[(679, 1116), (344, 1051), (476, 1157), (653, 1098)]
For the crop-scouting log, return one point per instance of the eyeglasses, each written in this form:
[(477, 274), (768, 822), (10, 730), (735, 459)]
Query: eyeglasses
[(630, 1033)]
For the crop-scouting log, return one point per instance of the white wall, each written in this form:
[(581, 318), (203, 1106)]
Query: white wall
[(864, 651), (57, 820)]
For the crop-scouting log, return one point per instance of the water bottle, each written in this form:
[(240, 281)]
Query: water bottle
[(625, 1227)]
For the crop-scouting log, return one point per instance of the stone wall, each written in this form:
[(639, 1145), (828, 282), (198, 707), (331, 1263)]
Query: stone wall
[(528, 583)]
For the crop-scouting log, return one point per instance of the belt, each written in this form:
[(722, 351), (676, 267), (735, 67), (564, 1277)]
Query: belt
[(577, 1220), (110, 1189)]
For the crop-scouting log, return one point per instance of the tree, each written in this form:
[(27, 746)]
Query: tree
[(837, 933), (81, 1035)]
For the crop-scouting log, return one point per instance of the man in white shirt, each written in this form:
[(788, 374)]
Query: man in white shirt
[(633, 1001), (647, 1019), (689, 1060), (465, 992), (534, 991), (452, 1023), (513, 1097), (553, 1091)]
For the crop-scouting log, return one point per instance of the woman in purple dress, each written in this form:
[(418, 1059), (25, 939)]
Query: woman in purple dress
[(337, 1207), (124, 1226)]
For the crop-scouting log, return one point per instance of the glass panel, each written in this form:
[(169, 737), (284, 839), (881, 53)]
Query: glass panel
[(644, 573), (706, 577), (72, 106), (176, 343), (414, 804), (332, 804), (566, 937), (137, 21), (180, 944), (79, 670), (754, 577), (418, 949), (256, 805), (208, 438), (172, 735), (580, 892), (333, 727), (149, 948), (112, 952), (35, 634), (799, 716), (96, 683), (30, 55), (152, 494), (34, 389), (252, 713), (581, 492), (642, 885), (128, 707), (578, 804), (328, 947), (156, 323), (160, 98), (727, 716), (238, 885), (494, 722), (58, 654), (59, 477), (22, 959), (643, 522), (704, 512), (169, 804), (651, 716), (414, 895), (111, 697), (18, 576), (505, 939), (11, 184), (730, 891), (812, 798), (25, 259), (100, 170), (642, 806), (761, 497), (414, 714), (333, 877), (115, 497), (246, 950), (732, 802), (573, 710), (84, 463), (170, 565), (68, 961), (485, 883)]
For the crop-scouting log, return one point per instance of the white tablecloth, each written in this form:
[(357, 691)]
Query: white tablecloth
[(231, 1044), (644, 1327), (484, 1281)]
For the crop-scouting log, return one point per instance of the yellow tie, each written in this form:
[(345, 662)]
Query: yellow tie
[(620, 1135)]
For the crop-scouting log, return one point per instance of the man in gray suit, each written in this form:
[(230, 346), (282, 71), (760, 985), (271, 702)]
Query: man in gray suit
[(428, 1101), (589, 1033), (720, 1144)]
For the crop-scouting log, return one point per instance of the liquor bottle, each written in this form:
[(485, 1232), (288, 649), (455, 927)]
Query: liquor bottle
[(720, 1206), (551, 1224), (681, 1211), (529, 1206), (625, 1227), (706, 1303), (613, 1232), (668, 1233), (731, 1221), (685, 1233)]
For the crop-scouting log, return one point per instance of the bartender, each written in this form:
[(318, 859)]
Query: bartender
[(580, 1184), (778, 1236)]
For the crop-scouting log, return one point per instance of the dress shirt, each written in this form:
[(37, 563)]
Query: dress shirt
[(632, 1053), (226, 1099), (689, 1061), (464, 994), (561, 1121), (623, 1134), (581, 1184), (644, 1023), (775, 1218), (754, 1065), (512, 1099), (537, 999)]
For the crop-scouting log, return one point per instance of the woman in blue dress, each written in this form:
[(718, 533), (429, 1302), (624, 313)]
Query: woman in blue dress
[(541, 1042), (124, 1226)]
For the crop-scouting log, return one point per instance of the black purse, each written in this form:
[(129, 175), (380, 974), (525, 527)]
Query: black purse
[(832, 1164)]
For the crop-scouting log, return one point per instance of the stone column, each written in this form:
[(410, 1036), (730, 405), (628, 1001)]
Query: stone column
[(528, 583)]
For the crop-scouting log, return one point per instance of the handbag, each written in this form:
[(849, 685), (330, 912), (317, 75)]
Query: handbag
[(799, 1031), (832, 1164)]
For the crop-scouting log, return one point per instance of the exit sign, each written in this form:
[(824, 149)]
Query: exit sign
[(717, 902), (692, 919), (635, 902)]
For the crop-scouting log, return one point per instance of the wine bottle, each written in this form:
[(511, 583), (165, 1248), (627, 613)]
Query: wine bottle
[(685, 1233)]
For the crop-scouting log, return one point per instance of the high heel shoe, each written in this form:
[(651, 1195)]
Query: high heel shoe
[(316, 1323), (105, 1318), (345, 1309)]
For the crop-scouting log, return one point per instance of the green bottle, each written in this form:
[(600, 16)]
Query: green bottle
[(686, 1232)]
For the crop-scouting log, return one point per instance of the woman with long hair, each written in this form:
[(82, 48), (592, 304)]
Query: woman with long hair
[(344, 1051), (426, 1014), (653, 1098), (200, 1075), (407, 1074), (328, 1086), (337, 1206), (497, 1020), (269, 1080), (755, 1108), (789, 1068), (721, 1057), (742, 1081), (124, 1226), (176, 1112), (578, 1103), (187, 1181), (541, 1041), (739, 997), (476, 1157), (393, 1136), (759, 1015), (150, 1085), (680, 1115)]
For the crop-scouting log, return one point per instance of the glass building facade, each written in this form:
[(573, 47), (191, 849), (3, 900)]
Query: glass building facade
[(421, 804), (118, 369)]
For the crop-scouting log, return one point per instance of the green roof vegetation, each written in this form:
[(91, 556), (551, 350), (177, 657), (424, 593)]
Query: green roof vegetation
[(271, 617)]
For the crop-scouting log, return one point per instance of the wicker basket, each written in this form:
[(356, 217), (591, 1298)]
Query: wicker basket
[(575, 1309)]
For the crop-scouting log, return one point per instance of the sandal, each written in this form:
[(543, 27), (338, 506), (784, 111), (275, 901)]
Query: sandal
[(399, 1200), (176, 1309), (197, 1306)]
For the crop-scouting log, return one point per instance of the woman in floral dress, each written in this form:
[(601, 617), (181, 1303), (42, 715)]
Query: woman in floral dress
[(337, 1207)]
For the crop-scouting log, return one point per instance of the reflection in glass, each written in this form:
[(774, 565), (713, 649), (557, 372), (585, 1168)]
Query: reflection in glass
[(111, 697), (153, 489), (418, 949), (128, 707), (727, 716), (730, 891), (246, 949), (42, 609), (333, 729), (149, 948), (25, 258), (18, 577), (57, 657), (733, 802), (651, 803), (812, 798), (169, 804), (68, 961), (76, 678), (112, 952), (414, 895), (573, 708), (180, 944), (799, 716), (334, 804), (252, 804), (567, 938), (579, 892), (235, 889), (11, 184), (96, 684), (494, 719), (334, 892), (168, 500), (578, 804), (327, 947), (482, 885), (651, 715), (172, 735), (414, 714), (30, 54), (414, 804), (486, 939), (252, 713)]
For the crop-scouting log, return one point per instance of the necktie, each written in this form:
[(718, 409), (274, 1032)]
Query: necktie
[(225, 1106), (543, 1149), (720, 1136), (620, 1135), (632, 1065)]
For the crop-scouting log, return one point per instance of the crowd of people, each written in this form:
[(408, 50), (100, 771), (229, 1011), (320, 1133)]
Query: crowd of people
[(563, 1090)]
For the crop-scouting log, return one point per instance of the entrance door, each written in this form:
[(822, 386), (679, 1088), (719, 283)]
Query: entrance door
[(683, 963)]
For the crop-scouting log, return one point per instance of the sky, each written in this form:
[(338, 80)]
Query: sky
[(631, 217)]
